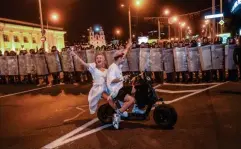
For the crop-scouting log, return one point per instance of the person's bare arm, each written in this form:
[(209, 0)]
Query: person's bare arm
[(128, 47), (81, 61)]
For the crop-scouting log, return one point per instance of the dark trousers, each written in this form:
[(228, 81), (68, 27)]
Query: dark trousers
[(206, 75), (218, 75), (184, 76), (159, 77), (192, 74), (3, 80), (56, 78), (233, 75), (170, 77)]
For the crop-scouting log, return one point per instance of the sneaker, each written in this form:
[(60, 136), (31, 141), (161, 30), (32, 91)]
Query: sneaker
[(136, 110), (123, 114), (116, 121)]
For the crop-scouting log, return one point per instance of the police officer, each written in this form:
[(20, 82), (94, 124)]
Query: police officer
[(196, 73), (56, 75), (206, 75), (219, 72), (237, 55)]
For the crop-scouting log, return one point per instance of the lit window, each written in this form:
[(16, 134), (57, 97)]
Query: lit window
[(25, 39), (5, 38), (34, 40), (16, 39)]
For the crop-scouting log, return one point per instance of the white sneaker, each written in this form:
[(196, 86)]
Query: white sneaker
[(124, 114), (136, 110), (116, 121)]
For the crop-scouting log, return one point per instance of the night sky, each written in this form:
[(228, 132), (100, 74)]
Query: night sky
[(78, 15)]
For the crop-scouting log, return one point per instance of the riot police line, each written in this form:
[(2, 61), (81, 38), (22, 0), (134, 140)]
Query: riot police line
[(174, 64)]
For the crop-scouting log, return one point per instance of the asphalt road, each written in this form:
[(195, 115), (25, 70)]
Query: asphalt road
[(58, 116)]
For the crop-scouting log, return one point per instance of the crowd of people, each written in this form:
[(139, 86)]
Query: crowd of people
[(160, 77)]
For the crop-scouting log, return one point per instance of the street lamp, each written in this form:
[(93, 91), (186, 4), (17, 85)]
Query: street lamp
[(41, 21), (137, 3), (166, 12)]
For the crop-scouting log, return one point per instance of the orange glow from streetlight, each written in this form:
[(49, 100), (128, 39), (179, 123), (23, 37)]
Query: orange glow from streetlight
[(206, 21), (138, 2), (54, 17), (174, 19), (166, 12), (118, 32), (122, 5), (182, 24)]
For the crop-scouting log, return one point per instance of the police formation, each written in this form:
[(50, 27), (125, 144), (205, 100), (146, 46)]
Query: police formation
[(171, 62)]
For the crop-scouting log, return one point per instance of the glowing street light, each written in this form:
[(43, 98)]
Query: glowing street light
[(138, 2), (206, 21), (166, 12), (182, 24), (54, 17), (122, 5), (118, 32), (174, 19)]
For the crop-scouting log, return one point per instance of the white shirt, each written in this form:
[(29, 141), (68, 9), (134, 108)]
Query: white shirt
[(99, 77), (114, 72)]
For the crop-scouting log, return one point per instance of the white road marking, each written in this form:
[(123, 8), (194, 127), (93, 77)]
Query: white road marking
[(189, 95), (27, 91), (175, 92), (71, 119), (70, 134), (67, 138), (80, 136), (200, 84)]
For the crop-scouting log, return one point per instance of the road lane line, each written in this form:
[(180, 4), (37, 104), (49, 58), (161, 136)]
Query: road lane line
[(27, 91), (70, 119), (80, 136), (189, 95), (175, 92), (70, 134), (200, 84), (68, 139)]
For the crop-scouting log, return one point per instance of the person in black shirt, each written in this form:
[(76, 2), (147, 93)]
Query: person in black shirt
[(237, 55)]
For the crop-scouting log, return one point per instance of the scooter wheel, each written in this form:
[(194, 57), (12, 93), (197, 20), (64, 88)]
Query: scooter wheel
[(165, 116), (105, 114)]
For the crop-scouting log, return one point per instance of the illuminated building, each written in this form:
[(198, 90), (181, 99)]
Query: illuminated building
[(98, 39), (16, 35)]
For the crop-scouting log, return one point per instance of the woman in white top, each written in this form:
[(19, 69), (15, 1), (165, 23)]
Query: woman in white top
[(98, 72)]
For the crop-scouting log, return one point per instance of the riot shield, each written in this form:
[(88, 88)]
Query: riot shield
[(41, 64), (156, 61), (31, 64), (77, 65), (217, 57), (4, 66), (22, 61), (53, 62), (144, 58), (133, 59), (12, 65), (110, 56), (90, 54), (193, 59), (205, 57), (229, 63), (168, 60), (67, 61), (180, 59)]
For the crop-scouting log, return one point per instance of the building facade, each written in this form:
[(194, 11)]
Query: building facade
[(16, 35), (98, 39)]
